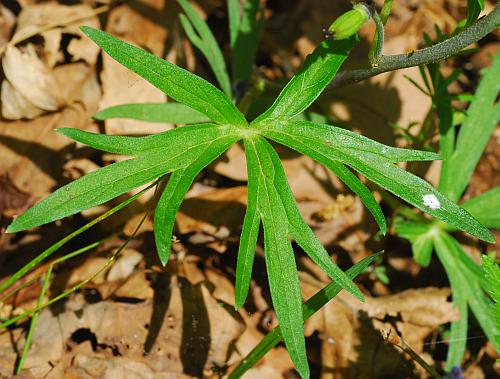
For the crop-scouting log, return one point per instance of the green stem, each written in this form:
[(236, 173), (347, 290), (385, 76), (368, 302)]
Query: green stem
[(431, 54), (375, 54), (34, 320), (386, 11)]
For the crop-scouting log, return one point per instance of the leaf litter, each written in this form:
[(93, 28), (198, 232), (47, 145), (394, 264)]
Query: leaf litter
[(138, 320)]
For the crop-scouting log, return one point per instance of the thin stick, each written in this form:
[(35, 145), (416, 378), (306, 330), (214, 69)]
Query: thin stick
[(432, 54)]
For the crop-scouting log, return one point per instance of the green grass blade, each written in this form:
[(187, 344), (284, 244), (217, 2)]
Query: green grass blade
[(174, 113), (486, 208), (311, 306), (380, 170), (80, 285), (299, 228), (244, 46), (181, 85), (356, 186), (179, 183), (317, 71), (280, 262), (34, 321), (173, 141), (234, 16), (483, 115), (458, 335), (204, 40), (56, 246), (249, 233), (109, 182), (446, 143)]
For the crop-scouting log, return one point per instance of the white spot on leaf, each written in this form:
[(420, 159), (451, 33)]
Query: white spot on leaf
[(431, 201)]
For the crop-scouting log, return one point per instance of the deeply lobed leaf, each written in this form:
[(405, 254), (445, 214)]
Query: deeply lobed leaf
[(249, 232), (174, 141), (421, 237), (178, 184), (157, 155), (318, 70), (280, 259), (298, 228), (179, 84), (378, 167), (466, 289), (175, 113)]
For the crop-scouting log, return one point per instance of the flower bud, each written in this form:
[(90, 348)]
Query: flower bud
[(350, 22)]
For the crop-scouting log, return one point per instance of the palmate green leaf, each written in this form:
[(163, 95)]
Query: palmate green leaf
[(377, 167), (421, 237), (201, 36), (350, 141), (317, 71), (298, 228), (246, 39), (170, 154), (458, 332), (485, 208), (175, 113), (234, 15), (178, 184), (174, 141), (483, 115), (280, 260), (179, 84)]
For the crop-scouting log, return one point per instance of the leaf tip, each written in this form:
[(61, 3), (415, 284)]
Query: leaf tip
[(15, 226), (98, 116), (358, 294), (10, 229), (486, 235), (87, 29)]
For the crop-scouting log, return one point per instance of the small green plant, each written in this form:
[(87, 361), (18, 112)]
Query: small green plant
[(214, 123), (460, 153)]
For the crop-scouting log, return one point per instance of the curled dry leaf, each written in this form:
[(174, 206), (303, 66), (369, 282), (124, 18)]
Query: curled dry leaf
[(32, 79), (32, 86), (32, 153), (35, 17), (7, 22)]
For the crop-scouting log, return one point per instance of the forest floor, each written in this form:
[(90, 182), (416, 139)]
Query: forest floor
[(138, 319)]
